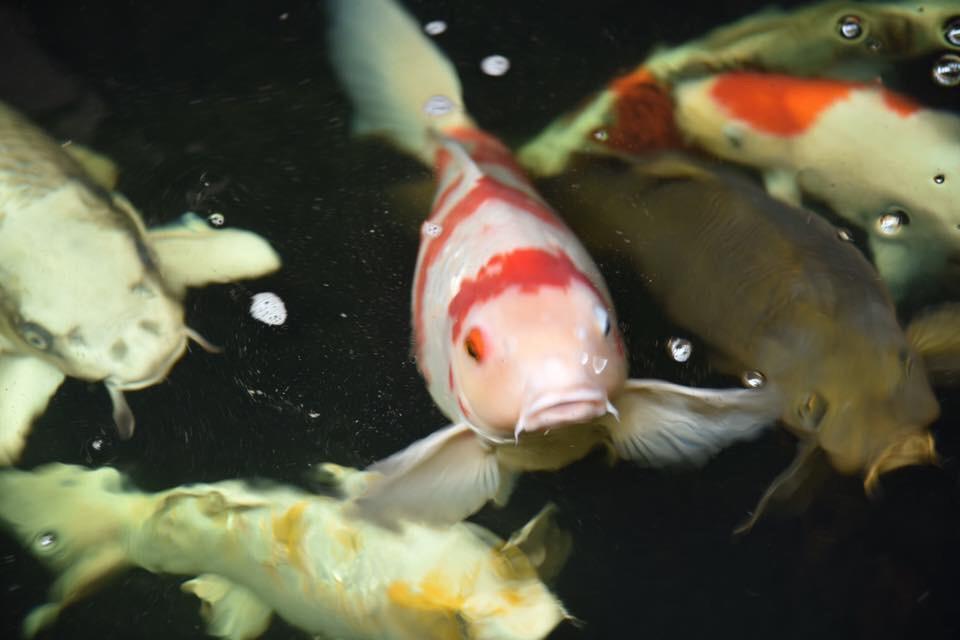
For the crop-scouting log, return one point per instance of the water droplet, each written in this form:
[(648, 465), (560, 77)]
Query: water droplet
[(946, 70), (951, 31), (495, 65), (438, 106), (584, 358), (283, 16), (216, 219), (46, 540), (850, 27), (939, 178), (432, 229), (845, 235), (679, 349), (874, 45), (754, 379), (435, 27), (268, 308), (890, 223), (599, 364), (600, 135)]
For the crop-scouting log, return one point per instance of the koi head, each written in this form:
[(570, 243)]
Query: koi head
[(538, 358)]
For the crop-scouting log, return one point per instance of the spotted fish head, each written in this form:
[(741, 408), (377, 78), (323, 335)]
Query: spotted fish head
[(533, 358)]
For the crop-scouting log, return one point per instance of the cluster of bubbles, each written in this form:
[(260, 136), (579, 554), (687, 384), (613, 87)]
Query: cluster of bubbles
[(268, 308), (216, 219), (432, 229), (680, 349)]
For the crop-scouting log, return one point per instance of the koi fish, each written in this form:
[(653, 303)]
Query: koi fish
[(283, 550), (876, 158), (515, 333), (773, 290), (85, 289), (853, 41)]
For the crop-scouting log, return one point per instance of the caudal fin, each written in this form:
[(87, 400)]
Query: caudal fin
[(400, 84), (72, 519)]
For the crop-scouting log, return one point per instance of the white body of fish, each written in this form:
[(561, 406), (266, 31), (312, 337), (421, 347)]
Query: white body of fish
[(514, 330), (85, 289), (280, 549)]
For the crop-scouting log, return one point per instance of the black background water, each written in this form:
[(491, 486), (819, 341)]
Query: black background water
[(231, 107)]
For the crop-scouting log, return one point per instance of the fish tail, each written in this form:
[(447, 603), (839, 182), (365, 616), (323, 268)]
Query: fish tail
[(400, 83), (74, 520)]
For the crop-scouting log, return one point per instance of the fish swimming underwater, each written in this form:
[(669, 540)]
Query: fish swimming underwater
[(280, 549), (849, 40), (876, 158), (514, 330), (85, 289), (772, 289)]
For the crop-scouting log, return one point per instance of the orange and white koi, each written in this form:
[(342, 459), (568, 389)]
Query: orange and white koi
[(514, 329), (278, 549)]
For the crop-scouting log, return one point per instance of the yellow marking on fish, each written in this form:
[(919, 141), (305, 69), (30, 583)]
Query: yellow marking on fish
[(288, 531), (436, 614), (347, 536), (512, 596)]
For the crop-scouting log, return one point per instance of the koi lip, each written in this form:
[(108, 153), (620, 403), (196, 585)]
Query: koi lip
[(159, 372), (559, 408)]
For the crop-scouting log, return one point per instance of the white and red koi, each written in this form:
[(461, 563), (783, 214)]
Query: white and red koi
[(515, 332)]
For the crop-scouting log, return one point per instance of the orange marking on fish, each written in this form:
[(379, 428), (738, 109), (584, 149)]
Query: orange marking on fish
[(643, 118), (777, 104), (288, 531), (901, 104)]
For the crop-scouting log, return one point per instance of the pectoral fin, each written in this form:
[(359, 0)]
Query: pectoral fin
[(190, 253), (782, 185), (936, 337), (230, 611), (26, 385), (664, 424), (441, 479), (99, 167), (545, 544)]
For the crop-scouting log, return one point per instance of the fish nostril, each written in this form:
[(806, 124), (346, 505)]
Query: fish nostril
[(119, 350), (150, 327)]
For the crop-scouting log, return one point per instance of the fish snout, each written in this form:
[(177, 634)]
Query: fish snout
[(556, 408), (914, 449)]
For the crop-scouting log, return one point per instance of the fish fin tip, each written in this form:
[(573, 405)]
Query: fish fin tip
[(228, 609), (28, 384), (782, 184), (190, 253), (665, 424), (439, 480), (544, 542), (40, 618), (101, 169)]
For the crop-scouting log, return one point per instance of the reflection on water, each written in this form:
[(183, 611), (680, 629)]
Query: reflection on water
[(235, 113)]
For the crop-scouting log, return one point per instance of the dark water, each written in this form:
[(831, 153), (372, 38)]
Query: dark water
[(231, 107)]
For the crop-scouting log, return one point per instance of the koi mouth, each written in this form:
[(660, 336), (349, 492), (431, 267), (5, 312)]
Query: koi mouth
[(562, 408)]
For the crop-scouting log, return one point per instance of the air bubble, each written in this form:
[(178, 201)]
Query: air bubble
[(890, 223), (599, 364), (432, 229), (679, 349), (435, 27), (754, 379), (600, 135), (845, 235), (850, 27), (946, 70), (951, 31), (216, 219), (268, 308), (939, 178), (438, 106), (46, 540), (495, 65)]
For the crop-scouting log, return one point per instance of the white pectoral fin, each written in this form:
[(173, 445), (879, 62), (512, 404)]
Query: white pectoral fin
[(664, 424), (545, 544), (190, 253), (935, 334), (782, 185), (440, 480), (230, 610), (26, 385)]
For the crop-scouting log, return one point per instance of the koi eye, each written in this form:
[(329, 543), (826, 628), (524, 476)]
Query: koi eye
[(603, 320), (36, 336), (473, 344)]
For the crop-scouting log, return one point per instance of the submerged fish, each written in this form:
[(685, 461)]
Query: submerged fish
[(280, 549), (876, 158), (85, 289), (774, 290), (851, 40), (514, 330)]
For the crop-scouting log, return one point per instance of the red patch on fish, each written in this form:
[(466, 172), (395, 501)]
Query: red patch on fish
[(644, 115), (486, 189), (481, 147), (527, 269), (777, 104), (903, 105)]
